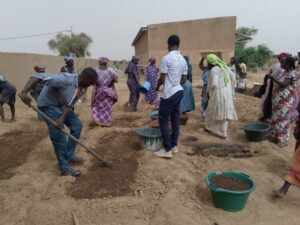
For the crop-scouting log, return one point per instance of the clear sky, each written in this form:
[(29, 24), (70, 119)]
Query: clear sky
[(113, 24)]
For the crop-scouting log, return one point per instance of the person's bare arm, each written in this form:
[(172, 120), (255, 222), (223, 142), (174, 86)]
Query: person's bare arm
[(30, 84), (93, 94), (201, 64), (183, 79), (60, 121), (161, 80), (282, 84)]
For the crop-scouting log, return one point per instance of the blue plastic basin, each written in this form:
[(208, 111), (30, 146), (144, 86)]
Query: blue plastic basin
[(256, 131), (145, 87)]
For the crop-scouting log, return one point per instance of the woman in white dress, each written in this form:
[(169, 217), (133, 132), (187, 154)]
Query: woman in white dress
[(220, 107)]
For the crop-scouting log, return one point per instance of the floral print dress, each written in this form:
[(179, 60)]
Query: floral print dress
[(284, 105)]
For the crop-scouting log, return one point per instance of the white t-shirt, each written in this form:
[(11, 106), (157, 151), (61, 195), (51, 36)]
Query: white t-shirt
[(174, 66)]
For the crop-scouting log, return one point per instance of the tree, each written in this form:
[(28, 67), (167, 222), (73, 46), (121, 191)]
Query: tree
[(75, 43), (254, 56)]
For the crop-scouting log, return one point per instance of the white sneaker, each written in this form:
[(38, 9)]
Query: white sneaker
[(163, 154), (175, 149)]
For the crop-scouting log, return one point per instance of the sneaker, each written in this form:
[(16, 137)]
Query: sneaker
[(175, 149), (76, 160), (163, 154), (71, 172)]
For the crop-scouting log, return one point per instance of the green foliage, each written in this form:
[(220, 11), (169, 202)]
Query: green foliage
[(76, 43), (254, 56)]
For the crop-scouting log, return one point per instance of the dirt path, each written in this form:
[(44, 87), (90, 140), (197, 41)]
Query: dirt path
[(167, 192)]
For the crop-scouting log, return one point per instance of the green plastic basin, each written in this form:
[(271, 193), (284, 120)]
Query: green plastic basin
[(228, 200)]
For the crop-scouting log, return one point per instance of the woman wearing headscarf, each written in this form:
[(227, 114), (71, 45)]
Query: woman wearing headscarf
[(220, 107), (242, 79), (133, 83), (266, 90), (284, 102), (69, 67), (36, 90), (190, 68), (235, 69), (205, 75), (151, 72), (188, 101), (104, 94)]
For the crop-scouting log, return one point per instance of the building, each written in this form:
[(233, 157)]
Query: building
[(198, 38)]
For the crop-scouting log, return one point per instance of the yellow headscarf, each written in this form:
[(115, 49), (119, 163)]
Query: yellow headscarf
[(216, 61)]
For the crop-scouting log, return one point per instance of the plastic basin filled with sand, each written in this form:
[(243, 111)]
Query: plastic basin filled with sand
[(155, 124), (150, 138), (230, 190)]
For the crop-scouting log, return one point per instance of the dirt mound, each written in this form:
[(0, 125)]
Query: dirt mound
[(120, 149), (15, 147), (126, 121), (221, 150)]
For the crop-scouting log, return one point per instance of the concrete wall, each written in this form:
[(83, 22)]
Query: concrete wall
[(142, 50), (17, 67), (198, 38)]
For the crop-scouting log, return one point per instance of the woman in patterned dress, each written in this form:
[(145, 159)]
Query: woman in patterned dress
[(293, 174), (284, 103), (151, 72), (104, 94)]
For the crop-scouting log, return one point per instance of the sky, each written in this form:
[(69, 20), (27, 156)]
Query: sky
[(113, 24)]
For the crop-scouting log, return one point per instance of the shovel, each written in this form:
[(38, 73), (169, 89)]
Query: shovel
[(48, 119)]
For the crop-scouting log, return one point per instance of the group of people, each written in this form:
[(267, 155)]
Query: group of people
[(57, 95), (177, 96)]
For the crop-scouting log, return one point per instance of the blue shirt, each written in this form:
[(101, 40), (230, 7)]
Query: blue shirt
[(58, 90)]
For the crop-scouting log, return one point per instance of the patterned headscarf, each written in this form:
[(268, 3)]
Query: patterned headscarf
[(216, 61), (135, 58), (68, 58), (282, 55), (103, 60)]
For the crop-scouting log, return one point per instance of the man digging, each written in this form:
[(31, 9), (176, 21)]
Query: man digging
[(57, 100), (8, 96)]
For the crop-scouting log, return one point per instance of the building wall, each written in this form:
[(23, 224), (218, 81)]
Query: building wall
[(17, 67), (198, 38), (141, 49)]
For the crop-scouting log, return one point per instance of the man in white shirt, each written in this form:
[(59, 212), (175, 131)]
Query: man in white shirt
[(173, 69)]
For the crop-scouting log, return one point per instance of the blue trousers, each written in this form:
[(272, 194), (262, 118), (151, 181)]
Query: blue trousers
[(170, 109), (64, 148), (134, 96)]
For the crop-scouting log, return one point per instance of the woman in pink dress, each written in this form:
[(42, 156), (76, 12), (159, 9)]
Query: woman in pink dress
[(104, 94)]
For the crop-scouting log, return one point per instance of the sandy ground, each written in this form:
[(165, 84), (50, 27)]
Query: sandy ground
[(161, 191)]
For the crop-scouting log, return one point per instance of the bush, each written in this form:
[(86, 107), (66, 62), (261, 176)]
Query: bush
[(254, 56)]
